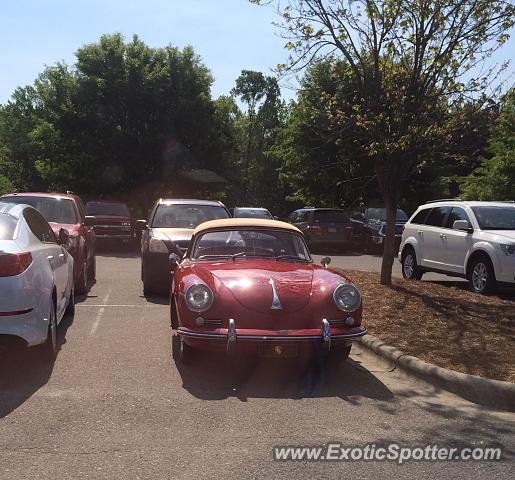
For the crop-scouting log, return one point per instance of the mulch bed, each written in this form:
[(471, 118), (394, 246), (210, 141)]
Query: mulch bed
[(446, 325)]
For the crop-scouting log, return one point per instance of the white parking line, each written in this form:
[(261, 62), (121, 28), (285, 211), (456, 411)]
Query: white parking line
[(120, 305), (99, 315)]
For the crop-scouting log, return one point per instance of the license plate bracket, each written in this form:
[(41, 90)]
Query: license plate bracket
[(278, 351)]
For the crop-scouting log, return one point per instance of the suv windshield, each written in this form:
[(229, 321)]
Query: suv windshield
[(495, 218), (380, 214), (186, 216), (277, 244), (105, 208), (56, 210), (330, 216), (252, 213)]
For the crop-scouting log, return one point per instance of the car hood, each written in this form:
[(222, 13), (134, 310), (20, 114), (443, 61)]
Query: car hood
[(252, 283), (173, 234), (500, 236), (73, 228)]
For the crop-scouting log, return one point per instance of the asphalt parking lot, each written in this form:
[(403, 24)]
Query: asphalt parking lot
[(116, 405)]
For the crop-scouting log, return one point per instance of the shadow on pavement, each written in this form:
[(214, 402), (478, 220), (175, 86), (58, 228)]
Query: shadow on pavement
[(112, 249), (214, 377), (23, 371), (157, 299)]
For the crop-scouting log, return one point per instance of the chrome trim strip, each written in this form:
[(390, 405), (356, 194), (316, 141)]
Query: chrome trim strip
[(258, 338), (276, 303), (231, 331)]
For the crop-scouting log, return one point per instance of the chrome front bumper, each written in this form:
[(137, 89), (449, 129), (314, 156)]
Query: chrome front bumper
[(231, 335)]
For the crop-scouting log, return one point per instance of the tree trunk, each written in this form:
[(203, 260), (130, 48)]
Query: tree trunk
[(389, 241)]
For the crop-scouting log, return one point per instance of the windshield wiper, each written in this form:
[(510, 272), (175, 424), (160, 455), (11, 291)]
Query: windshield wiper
[(292, 257), (204, 257), (253, 255)]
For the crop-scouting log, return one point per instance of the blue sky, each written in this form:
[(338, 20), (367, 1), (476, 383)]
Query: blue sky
[(229, 35)]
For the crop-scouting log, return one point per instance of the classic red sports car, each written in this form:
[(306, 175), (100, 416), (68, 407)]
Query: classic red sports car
[(251, 284)]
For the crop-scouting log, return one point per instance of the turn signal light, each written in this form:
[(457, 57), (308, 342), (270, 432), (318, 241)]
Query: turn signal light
[(14, 263)]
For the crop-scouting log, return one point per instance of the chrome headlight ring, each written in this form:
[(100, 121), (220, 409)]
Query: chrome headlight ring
[(199, 297), (347, 297)]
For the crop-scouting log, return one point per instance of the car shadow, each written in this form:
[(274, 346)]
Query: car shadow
[(23, 371), (504, 293), (157, 299), (214, 376), (348, 251), (109, 249)]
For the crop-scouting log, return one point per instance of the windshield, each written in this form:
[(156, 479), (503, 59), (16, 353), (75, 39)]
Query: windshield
[(186, 216), (104, 208), (330, 216), (495, 218), (56, 210), (252, 213), (380, 214), (251, 243)]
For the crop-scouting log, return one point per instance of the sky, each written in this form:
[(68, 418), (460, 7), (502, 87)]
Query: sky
[(229, 35)]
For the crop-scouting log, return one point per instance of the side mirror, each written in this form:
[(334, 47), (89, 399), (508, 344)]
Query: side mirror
[(325, 261), (89, 220), (174, 260), (64, 236), (462, 225), (141, 224)]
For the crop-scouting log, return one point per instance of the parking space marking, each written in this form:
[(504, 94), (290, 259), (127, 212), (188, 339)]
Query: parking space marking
[(126, 305), (99, 315)]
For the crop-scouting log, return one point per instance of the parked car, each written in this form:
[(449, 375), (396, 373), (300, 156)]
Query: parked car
[(112, 220), (251, 285), (36, 277), (474, 240), (251, 212), (329, 227), (67, 211), (169, 230), (369, 224)]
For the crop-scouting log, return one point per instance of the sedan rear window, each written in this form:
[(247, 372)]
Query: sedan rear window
[(7, 227), (330, 216), (106, 208)]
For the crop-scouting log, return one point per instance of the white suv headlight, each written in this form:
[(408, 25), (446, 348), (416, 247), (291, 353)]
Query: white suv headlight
[(199, 297), (508, 249), (347, 297), (157, 246)]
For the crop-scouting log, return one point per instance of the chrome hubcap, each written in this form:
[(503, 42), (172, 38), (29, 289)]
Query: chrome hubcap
[(409, 264), (479, 277)]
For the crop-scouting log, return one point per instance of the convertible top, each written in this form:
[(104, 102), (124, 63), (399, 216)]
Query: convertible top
[(245, 223)]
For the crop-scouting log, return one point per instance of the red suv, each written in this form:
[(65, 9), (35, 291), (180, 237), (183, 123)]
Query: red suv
[(67, 211)]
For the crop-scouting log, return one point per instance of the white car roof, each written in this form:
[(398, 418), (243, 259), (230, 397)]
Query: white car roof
[(457, 203), (12, 209)]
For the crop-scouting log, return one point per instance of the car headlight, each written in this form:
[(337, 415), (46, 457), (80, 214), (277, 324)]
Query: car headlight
[(508, 249), (199, 297), (157, 246), (347, 297)]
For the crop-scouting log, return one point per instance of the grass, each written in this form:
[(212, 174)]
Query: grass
[(445, 325)]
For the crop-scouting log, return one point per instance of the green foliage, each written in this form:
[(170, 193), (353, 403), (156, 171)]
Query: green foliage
[(494, 179), (126, 113)]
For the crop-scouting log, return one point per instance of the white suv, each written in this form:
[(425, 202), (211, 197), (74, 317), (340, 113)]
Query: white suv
[(475, 240)]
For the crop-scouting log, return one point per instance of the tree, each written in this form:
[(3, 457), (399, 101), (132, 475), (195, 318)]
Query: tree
[(257, 128), (494, 179), (408, 59), (118, 118)]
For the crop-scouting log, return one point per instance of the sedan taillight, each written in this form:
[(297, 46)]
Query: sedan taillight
[(314, 229), (14, 263)]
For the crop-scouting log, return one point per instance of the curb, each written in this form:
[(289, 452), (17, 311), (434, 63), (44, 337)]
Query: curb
[(491, 393)]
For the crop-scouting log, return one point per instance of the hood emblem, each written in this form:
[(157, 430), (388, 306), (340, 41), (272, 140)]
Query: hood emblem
[(276, 303)]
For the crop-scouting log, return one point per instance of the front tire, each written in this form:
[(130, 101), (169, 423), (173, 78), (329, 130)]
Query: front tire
[(92, 270), (70, 308), (174, 317), (410, 268), (482, 275)]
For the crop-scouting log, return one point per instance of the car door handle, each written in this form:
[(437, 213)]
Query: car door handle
[(420, 232), (50, 257), (442, 235), (61, 255)]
